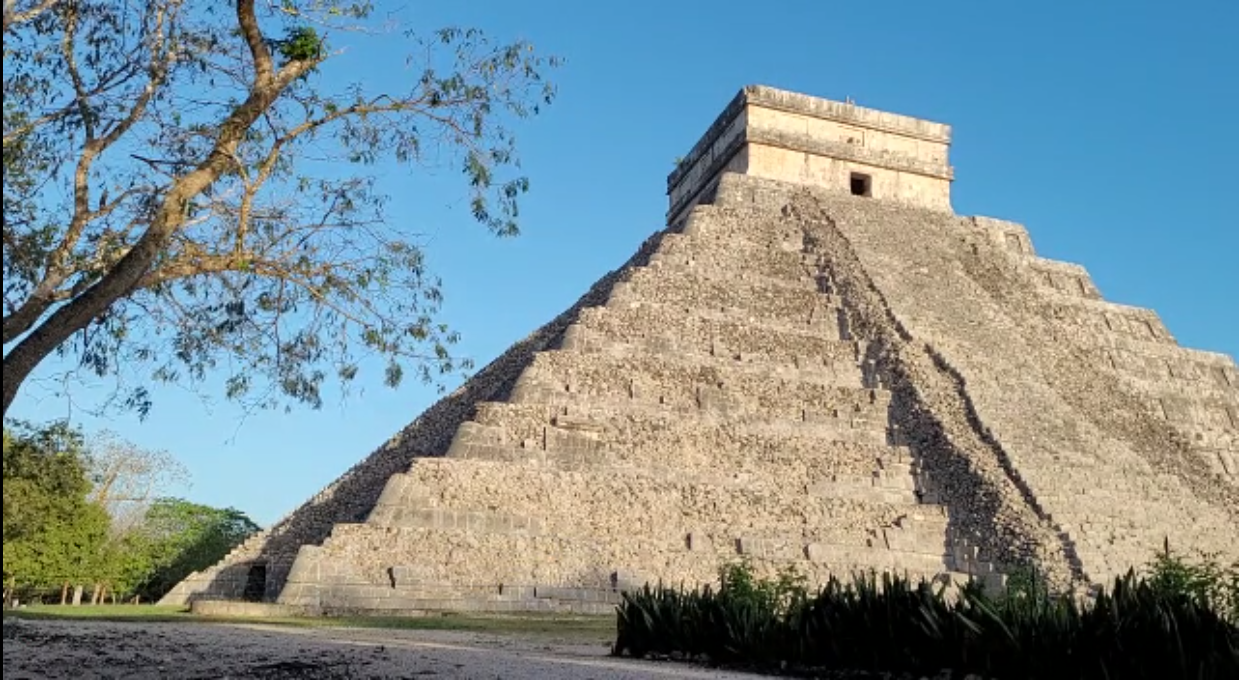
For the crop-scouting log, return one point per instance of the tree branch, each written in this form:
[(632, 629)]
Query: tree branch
[(12, 18), (243, 238), (43, 296), (81, 98), (170, 216), (248, 22), (113, 79)]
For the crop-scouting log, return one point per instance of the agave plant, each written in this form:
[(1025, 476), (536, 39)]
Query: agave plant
[(1173, 624)]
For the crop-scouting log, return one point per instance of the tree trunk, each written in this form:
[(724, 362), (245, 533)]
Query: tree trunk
[(95, 593), (119, 282), (21, 361), (126, 275), (10, 387), (64, 593), (77, 595)]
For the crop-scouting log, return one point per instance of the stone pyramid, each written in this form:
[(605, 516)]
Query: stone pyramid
[(816, 364)]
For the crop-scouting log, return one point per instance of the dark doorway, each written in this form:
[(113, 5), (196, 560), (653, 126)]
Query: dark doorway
[(862, 184), (255, 583)]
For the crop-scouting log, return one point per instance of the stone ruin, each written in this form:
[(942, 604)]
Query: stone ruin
[(815, 364)]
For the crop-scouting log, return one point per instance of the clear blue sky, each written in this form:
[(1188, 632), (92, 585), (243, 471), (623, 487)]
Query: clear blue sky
[(1108, 128)]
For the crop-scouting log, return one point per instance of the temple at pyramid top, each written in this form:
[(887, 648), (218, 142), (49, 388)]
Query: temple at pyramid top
[(790, 137)]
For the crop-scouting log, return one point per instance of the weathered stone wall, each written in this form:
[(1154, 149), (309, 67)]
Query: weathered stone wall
[(1111, 475), (714, 408), (780, 157), (794, 376), (790, 137), (351, 498)]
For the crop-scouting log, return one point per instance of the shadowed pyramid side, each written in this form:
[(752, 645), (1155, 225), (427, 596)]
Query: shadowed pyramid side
[(1115, 436)]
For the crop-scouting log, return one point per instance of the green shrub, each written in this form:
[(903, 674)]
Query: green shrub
[(1206, 581), (1160, 627), (738, 583)]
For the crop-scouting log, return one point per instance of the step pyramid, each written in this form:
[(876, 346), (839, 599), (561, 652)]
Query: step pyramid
[(816, 364)]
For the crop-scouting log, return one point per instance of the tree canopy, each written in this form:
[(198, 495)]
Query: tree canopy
[(186, 191), (178, 537), (125, 479), (51, 532), (61, 526)]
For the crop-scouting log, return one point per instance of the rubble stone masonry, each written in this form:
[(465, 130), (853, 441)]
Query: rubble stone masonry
[(793, 375)]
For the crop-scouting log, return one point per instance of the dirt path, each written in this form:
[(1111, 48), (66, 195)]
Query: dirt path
[(201, 651)]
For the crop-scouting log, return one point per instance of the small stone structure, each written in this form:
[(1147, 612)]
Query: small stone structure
[(816, 364), (790, 137)]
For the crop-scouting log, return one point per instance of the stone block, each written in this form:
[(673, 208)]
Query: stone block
[(813, 415), (714, 399), (769, 548), (862, 489), (1013, 243), (915, 536), (1177, 410), (469, 604), (637, 391), (895, 480), (807, 363), (587, 426), (752, 547), (406, 575), (471, 432), (493, 452), (621, 293), (820, 553), (562, 593), (629, 579), (560, 439), (699, 541), (575, 338), (508, 592)]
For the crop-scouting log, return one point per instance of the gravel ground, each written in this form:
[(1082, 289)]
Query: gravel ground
[(201, 651)]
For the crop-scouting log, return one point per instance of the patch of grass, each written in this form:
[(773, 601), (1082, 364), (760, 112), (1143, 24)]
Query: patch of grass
[(540, 625), (141, 613)]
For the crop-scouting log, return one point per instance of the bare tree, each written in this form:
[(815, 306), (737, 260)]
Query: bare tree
[(126, 478), (182, 195)]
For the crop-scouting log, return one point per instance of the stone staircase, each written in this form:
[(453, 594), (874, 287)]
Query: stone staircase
[(711, 410), (226, 580), (1084, 426)]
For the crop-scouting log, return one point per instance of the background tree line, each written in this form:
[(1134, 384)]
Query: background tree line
[(91, 521)]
